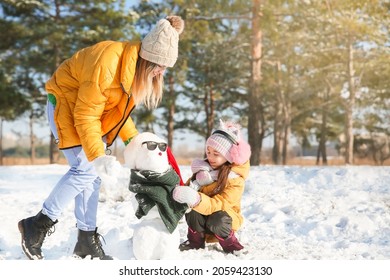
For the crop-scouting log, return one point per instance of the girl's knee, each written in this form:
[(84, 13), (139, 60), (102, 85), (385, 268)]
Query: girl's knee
[(220, 223), (195, 221)]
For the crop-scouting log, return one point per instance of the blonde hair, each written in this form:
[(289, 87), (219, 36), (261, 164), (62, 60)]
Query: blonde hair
[(147, 89)]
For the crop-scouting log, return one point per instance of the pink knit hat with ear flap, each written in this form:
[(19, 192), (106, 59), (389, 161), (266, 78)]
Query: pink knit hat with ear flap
[(227, 140)]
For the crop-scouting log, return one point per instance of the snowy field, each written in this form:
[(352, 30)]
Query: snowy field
[(291, 213)]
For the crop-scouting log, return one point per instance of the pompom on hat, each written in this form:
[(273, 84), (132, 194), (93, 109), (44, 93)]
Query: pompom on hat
[(161, 44), (227, 140)]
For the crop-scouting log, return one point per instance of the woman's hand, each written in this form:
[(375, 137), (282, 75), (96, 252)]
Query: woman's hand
[(108, 169)]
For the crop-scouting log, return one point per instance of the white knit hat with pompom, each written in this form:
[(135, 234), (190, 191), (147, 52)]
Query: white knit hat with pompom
[(161, 44)]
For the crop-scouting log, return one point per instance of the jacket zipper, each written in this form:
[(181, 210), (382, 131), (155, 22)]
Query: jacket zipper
[(123, 117)]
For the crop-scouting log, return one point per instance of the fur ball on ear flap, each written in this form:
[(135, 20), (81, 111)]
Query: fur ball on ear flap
[(240, 153)]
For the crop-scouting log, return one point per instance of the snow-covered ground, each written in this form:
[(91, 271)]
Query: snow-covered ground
[(291, 213)]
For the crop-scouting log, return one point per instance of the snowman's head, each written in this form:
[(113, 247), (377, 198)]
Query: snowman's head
[(147, 151)]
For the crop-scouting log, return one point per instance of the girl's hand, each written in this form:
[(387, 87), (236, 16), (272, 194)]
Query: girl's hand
[(185, 194), (204, 178)]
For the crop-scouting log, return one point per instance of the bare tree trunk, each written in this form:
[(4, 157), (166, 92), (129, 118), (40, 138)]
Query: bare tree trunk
[(32, 139), (209, 106), (278, 120), (255, 118), (1, 141), (287, 117), (287, 131), (281, 120), (324, 132), (278, 137), (278, 129), (54, 154), (349, 107), (322, 143), (171, 110)]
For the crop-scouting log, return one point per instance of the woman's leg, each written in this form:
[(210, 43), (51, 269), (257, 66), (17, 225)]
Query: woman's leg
[(80, 183)]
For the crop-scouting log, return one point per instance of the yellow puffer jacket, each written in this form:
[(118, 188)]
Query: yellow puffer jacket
[(228, 200), (93, 99)]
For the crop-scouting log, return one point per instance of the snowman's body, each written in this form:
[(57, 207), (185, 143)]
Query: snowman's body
[(151, 239)]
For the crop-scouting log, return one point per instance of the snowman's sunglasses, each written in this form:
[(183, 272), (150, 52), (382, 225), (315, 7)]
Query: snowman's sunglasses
[(151, 145)]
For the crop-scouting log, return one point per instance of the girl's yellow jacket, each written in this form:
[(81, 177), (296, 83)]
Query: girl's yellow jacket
[(228, 200), (93, 99)]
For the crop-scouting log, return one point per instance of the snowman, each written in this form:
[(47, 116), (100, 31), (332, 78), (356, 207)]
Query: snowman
[(152, 180)]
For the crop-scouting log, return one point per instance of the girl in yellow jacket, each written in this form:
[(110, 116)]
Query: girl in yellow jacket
[(90, 98), (214, 191)]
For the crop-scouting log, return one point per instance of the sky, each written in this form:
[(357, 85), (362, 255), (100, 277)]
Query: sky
[(333, 220)]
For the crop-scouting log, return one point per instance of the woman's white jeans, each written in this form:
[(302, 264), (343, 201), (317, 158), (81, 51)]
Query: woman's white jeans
[(80, 183)]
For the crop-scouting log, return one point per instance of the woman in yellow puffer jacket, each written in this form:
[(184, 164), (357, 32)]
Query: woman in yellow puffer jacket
[(214, 191), (90, 98)]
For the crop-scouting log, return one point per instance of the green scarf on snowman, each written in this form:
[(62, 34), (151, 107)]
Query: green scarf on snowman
[(155, 189)]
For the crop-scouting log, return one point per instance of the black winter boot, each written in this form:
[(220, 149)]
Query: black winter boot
[(195, 240), (33, 231), (230, 243), (88, 243)]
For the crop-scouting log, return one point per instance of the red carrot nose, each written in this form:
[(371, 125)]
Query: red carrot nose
[(160, 153)]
